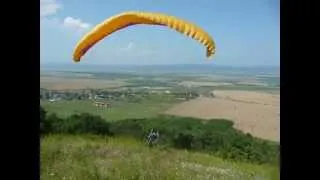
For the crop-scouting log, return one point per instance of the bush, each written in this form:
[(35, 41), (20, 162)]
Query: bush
[(183, 140), (75, 124), (133, 127), (54, 124), (214, 136), (42, 119), (85, 123)]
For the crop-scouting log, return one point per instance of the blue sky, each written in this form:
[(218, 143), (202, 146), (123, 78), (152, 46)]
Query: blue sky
[(246, 32)]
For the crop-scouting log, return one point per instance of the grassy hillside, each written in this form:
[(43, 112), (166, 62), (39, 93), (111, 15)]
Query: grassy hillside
[(85, 157)]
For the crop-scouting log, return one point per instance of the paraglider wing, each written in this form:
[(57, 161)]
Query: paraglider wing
[(126, 19)]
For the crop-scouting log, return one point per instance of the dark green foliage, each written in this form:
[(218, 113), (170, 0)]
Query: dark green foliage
[(54, 124), (85, 123), (43, 114), (76, 124), (50, 123), (215, 136), (132, 127), (183, 140)]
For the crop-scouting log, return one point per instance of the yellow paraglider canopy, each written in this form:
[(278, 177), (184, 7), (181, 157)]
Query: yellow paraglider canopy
[(123, 20)]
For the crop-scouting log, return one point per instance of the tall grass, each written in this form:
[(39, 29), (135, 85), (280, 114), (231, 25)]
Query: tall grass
[(86, 157)]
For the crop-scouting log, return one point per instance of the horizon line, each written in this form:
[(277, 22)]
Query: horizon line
[(188, 64)]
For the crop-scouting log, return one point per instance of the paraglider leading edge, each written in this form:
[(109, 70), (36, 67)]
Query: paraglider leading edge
[(125, 19)]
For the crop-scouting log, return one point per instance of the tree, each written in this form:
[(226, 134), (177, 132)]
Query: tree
[(43, 114), (85, 123), (183, 140)]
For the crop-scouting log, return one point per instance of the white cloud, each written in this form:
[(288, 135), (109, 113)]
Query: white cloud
[(68, 24), (75, 24), (49, 7)]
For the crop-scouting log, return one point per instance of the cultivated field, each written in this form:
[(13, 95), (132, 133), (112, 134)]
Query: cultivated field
[(242, 99), (62, 83), (204, 83), (255, 112)]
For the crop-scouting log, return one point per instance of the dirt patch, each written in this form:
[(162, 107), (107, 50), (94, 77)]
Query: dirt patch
[(60, 83), (250, 97), (253, 112)]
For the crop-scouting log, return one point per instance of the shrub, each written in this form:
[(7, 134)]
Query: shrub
[(75, 124), (213, 136), (42, 119), (85, 123), (54, 124)]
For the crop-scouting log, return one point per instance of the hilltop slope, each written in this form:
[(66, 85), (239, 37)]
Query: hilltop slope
[(94, 157)]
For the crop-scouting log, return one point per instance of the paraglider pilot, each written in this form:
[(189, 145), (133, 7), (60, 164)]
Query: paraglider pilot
[(153, 137)]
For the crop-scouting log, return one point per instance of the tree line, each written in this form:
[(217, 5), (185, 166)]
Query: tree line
[(108, 95), (216, 137)]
